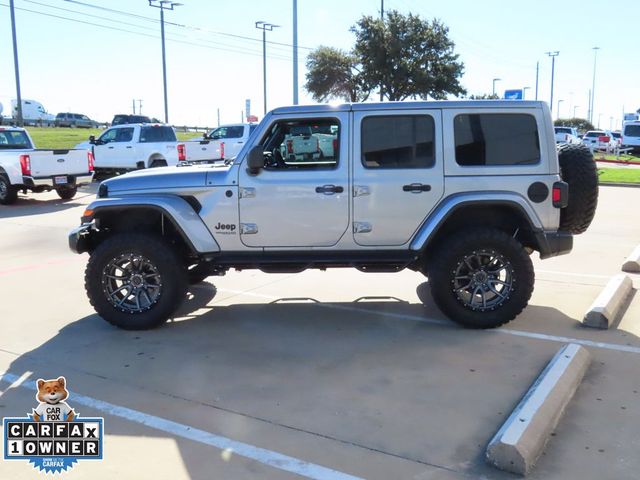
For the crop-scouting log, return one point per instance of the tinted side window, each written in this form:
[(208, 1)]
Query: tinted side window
[(496, 139), (124, 134), (157, 134), (290, 145), (632, 130), (398, 141)]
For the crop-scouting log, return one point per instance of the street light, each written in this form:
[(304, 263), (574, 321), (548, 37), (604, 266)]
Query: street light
[(19, 119), (553, 56), (164, 5), (265, 27), (593, 85), (524, 92), (558, 112), (494, 85)]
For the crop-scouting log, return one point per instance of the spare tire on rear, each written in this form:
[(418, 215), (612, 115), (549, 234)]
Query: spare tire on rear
[(578, 169)]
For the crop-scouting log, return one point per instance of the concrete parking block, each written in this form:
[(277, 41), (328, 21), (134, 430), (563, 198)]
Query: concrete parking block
[(606, 307), (632, 263), (521, 439)]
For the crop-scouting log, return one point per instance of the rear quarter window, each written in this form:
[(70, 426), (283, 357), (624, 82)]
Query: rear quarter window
[(157, 134), (496, 139)]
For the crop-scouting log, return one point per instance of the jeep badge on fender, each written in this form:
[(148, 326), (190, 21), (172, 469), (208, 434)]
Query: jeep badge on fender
[(461, 191)]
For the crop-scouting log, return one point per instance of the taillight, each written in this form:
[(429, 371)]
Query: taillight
[(25, 164), (222, 150), (182, 152), (90, 160), (335, 146), (603, 139), (289, 146), (560, 194)]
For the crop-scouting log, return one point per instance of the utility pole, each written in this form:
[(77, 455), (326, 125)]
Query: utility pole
[(537, 76), (133, 102), (265, 27), (593, 85), (15, 64), (295, 52), (139, 106), (164, 5), (553, 56), (381, 18)]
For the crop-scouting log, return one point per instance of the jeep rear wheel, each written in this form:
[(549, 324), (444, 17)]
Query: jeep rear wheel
[(481, 278), (579, 170), (135, 281)]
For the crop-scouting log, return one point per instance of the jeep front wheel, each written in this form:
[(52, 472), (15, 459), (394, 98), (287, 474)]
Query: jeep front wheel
[(481, 278), (135, 281)]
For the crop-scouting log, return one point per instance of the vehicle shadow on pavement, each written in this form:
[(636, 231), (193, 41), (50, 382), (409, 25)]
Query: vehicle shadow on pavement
[(27, 206), (424, 391)]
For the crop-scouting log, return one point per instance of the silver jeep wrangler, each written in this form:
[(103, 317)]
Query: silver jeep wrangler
[(463, 192)]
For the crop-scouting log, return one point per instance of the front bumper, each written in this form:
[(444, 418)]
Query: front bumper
[(73, 180), (79, 238), (552, 244)]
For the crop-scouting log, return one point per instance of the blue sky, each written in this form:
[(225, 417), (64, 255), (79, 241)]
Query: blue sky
[(98, 67)]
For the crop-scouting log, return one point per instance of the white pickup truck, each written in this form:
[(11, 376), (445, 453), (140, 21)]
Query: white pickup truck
[(23, 167), (134, 146), (220, 143)]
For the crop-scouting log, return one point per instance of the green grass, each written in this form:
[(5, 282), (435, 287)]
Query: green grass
[(58, 138), (619, 175)]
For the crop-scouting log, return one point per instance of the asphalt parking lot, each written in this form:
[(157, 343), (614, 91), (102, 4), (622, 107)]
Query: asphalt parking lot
[(336, 374)]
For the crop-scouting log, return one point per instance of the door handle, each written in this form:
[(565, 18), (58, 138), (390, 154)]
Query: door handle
[(329, 189), (110, 148), (416, 188), (240, 143), (129, 146)]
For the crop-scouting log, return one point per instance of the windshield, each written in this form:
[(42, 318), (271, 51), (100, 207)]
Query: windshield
[(594, 134), (15, 139), (632, 130), (563, 130)]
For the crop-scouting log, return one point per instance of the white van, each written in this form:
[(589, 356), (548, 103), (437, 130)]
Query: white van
[(33, 112), (631, 136)]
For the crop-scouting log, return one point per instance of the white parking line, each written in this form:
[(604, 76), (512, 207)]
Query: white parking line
[(416, 318), (262, 455), (572, 274)]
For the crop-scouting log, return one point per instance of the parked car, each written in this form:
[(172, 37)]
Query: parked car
[(631, 136), (567, 135), (134, 146), (221, 143), (599, 140), (123, 118), (23, 167), (462, 192), (74, 120), (618, 138)]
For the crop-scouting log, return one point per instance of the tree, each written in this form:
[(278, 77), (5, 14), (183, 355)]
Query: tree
[(485, 96), (334, 73), (407, 56), (581, 124)]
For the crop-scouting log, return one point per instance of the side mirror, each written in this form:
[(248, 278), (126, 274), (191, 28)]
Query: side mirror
[(255, 160), (92, 139)]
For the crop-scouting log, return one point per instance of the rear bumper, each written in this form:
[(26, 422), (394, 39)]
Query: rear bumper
[(79, 238), (49, 181), (552, 244)]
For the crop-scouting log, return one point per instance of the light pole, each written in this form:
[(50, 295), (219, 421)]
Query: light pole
[(15, 64), (494, 85), (295, 52), (558, 112), (593, 84), (265, 27), (553, 56), (524, 92), (164, 5)]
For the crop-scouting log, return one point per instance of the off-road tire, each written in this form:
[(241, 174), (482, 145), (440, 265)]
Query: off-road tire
[(8, 192), (578, 169), (446, 260), (173, 279), (67, 193)]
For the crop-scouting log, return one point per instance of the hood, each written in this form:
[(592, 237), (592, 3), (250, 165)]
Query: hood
[(171, 178)]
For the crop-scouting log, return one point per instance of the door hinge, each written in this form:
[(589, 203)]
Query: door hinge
[(247, 192), (360, 190), (362, 227), (248, 228)]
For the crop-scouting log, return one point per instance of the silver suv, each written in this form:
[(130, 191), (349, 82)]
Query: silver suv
[(463, 192)]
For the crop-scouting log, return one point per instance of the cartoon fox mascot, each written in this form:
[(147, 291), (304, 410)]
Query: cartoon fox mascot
[(52, 407)]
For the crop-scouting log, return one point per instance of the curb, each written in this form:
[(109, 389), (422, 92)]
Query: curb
[(632, 263), (614, 184), (606, 307), (521, 439)]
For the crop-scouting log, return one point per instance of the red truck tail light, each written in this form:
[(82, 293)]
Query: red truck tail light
[(335, 146), (604, 139), (25, 164), (222, 150), (182, 152), (289, 146), (90, 160)]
